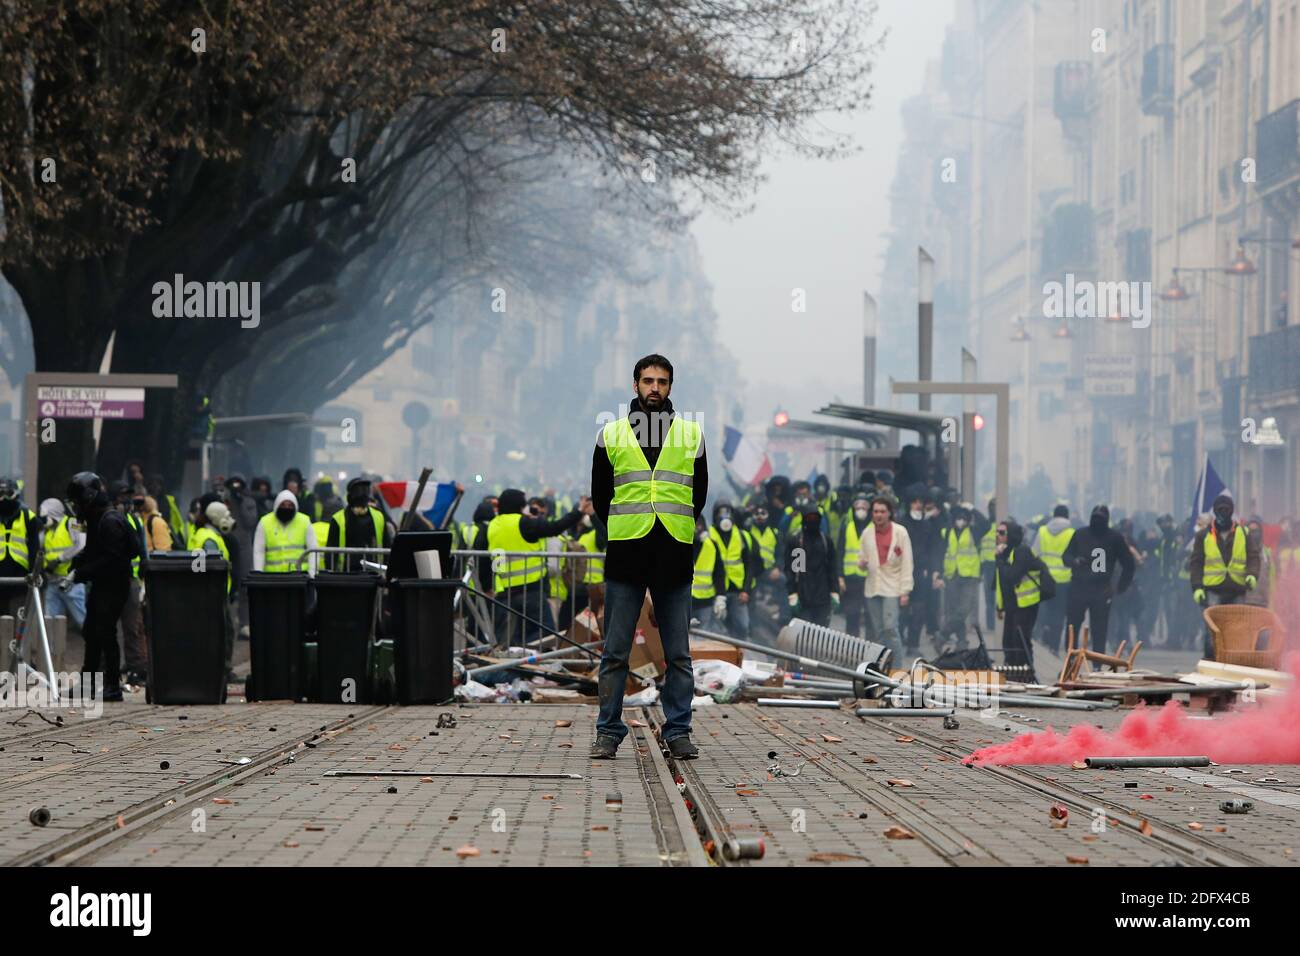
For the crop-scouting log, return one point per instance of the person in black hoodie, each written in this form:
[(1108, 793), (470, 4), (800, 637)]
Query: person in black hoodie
[(104, 563), (1092, 556), (927, 560), (1014, 561), (811, 571)]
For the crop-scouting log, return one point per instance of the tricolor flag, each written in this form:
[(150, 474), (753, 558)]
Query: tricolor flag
[(744, 459), (433, 504), (1208, 487)]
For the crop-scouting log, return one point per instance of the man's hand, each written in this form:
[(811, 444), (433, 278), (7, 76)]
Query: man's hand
[(744, 597), (835, 600), (793, 600), (902, 600), (68, 581), (862, 561), (720, 607), (1199, 596), (585, 505), (1252, 582), (842, 587)]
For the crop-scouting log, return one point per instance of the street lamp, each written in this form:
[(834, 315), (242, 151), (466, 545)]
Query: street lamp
[(1175, 292), (1063, 331), (1241, 266)]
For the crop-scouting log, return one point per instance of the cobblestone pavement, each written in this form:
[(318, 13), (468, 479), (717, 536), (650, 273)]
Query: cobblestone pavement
[(843, 790)]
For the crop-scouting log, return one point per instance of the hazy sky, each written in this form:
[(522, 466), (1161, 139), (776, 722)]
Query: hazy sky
[(818, 226)]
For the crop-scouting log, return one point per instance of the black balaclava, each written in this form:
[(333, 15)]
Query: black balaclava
[(1223, 508), (1099, 520), (812, 520), (8, 499)]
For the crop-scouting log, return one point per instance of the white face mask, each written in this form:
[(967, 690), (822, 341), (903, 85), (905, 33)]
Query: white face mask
[(860, 514), (724, 524), (959, 523), (916, 515)]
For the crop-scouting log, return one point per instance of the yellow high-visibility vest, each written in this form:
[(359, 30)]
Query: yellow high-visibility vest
[(138, 527), (852, 548), (594, 570), (341, 522), (732, 555), (285, 543), (1051, 548), (207, 533), (962, 558), (13, 540), (702, 584), (503, 534), (765, 538), (57, 541), (1214, 571), (642, 495), (1027, 591), (989, 546)]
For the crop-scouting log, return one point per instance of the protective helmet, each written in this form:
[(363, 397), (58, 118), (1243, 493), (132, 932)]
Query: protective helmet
[(83, 491)]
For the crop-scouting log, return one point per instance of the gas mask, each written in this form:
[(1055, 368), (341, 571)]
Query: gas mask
[(1223, 518), (860, 514), (724, 523)]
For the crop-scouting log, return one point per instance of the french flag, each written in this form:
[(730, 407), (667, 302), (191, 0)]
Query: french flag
[(433, 504), (744, 459), (1208, 487)]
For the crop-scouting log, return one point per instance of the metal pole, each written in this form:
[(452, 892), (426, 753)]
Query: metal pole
[(969, 373), (870, 315), (925, 322), (814, 704), (904, 712), (45, 639), (530, 659), (1134, 763), (450, 773)]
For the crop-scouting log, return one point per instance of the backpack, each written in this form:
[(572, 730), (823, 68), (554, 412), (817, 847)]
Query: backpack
[(1046, 583)]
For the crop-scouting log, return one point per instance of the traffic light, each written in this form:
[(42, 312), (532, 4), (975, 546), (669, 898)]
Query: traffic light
[(978, 421)]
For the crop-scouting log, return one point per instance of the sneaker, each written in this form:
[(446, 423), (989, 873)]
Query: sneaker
[(604, 748), (112, 695), (681, 748)]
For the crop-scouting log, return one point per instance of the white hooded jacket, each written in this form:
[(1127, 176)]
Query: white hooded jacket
[(259, 536)]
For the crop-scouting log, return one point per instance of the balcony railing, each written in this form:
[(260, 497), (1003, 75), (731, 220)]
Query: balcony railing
[(1158, 80), (1275, 361), (1277, 143), (1070, 94)]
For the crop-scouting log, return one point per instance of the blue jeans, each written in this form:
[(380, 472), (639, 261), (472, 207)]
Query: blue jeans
[(737, 616), (883, 612), (672, 608), (70, 603)]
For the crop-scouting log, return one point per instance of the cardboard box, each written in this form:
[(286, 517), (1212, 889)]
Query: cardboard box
[(703, 649)]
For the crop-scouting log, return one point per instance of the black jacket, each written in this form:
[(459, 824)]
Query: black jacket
[(1080, 557), (821, 575), (530, 529), (105, 561), (657, 558)]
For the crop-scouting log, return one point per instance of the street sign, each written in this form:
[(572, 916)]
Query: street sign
[(76, 401), (1105, 374)]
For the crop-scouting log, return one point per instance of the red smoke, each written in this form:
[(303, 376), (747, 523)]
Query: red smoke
[(1265, 734)]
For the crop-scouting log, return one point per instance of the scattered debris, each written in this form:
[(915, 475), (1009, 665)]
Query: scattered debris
[(899, 783), (564, 723), (1194, 826), (833, 857), (467, 851), (614, 802), (1144, 828), (832, 739), (905, 740), (1070, 858), (1237, 805), (744, 848), (899, 833), (39, 816), (446, 720)]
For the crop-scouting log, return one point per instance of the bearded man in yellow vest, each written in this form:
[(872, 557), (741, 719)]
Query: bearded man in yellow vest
[(649, 480), (516, 579), (1224, 564)]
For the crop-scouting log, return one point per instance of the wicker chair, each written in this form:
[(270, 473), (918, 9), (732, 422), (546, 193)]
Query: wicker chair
[(1236, 629)]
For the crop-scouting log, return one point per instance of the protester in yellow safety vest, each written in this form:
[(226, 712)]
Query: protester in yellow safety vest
[(960, 582), (705, 572), (1018, 588), (359, 525), (215, 522), (649, 480), (1049, 544), (135, 650), (731, 603), (1224, 564), (282, 537), (19, 539), (517, 579), (852, 576), (61, 541), (1267, 579)]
